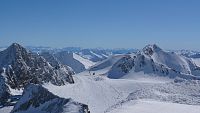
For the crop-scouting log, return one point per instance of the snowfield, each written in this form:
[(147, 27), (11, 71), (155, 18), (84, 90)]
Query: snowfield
[(151, 106), (128, 95)]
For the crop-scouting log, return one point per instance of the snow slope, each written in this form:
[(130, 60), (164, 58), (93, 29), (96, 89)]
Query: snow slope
[(37, 99), (91, 91), (104, 66), (102, 94), (87, 63), (76, 62), (169, 59), (150, 106)]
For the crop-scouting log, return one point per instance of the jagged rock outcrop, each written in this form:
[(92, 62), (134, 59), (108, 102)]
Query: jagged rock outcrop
[(37, 99)]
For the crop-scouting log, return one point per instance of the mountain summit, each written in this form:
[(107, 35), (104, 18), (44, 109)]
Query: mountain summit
[(150, 49)]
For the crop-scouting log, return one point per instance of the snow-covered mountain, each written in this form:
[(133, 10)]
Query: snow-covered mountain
[(171, 60), (105, 65), (54, 62), (76, 62), (19, 67), (121, 83), (37, 99), (152, 60)]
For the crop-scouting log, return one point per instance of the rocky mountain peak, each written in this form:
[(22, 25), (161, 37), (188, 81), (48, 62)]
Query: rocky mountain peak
[(22, 67), (151, 49)]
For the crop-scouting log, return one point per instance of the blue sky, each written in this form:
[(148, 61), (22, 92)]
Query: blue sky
[(172, 24)]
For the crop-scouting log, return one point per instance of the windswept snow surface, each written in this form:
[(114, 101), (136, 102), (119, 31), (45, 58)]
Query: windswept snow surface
[(150, 106), (102, 94)]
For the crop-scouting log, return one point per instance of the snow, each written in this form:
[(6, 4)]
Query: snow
[(87, 63), (102, 94), (150, 106), (106, 64), (88, 90), (96, 54), (141, 77), (37, 99), (6, 109), (16, 91), (76, 62), (197, 61), (169, 59)]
